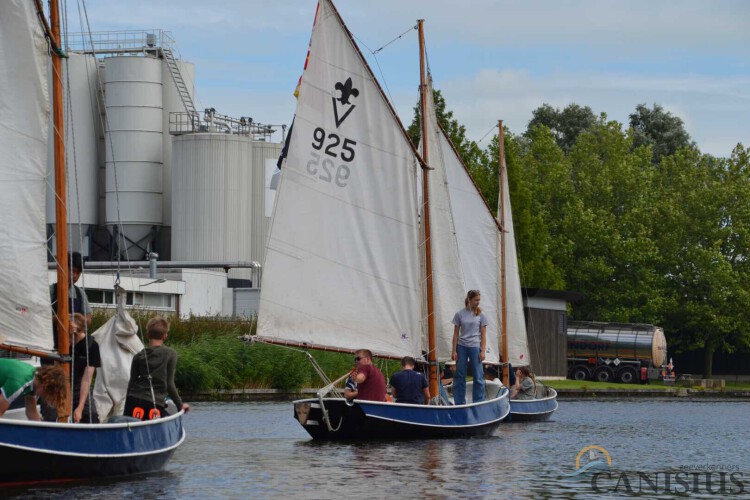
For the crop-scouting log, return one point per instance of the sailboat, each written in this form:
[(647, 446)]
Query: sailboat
[(47, 451), (475, 250), (343, 268), (514, 334)]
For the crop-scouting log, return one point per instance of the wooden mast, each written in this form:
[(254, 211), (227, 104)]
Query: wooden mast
[(501, 209), (61, 228), (431, 352)]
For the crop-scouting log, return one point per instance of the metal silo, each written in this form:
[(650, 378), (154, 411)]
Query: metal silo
[(218, 193), (172, 104), (134, 146), (79, 91)]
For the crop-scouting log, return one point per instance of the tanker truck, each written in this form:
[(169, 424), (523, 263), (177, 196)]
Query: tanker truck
[(614, 351)]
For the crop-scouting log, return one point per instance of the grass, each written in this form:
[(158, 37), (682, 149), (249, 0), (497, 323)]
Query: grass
[(591, 386), (211, 356)]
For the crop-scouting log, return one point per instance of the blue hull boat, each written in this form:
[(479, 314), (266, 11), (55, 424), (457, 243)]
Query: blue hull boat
[(50, 451), (339, 419), (534, 410)]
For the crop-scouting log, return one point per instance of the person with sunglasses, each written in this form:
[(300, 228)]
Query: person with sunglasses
[(368, 377), (469, 344)]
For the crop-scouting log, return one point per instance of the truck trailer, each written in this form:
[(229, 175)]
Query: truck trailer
[(624, 352)]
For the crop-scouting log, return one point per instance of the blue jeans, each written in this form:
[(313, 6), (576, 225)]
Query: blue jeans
[(466, 354)]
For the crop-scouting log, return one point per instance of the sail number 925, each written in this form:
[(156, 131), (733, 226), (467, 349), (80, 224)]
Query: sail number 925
[(332, 146)]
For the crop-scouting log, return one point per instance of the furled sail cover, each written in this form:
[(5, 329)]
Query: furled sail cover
[(518, 344), (465, 241), (118, 343), (342, 268), (25, 315)]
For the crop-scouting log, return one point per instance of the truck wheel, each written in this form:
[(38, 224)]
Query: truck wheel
[(626, 375), (604, 374), (580, 372)]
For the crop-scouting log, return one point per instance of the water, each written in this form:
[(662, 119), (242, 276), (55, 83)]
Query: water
[(255, 450)]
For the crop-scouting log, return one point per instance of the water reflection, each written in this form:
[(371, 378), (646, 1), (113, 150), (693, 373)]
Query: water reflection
[(242, 450)]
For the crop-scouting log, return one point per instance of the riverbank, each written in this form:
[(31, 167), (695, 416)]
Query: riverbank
[(563, 394)]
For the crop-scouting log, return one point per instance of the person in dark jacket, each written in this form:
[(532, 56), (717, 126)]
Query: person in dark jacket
[(408, 385), (152, 376)]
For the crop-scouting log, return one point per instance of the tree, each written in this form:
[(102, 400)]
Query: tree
[(566, 125), (468, 150), (660, 129)]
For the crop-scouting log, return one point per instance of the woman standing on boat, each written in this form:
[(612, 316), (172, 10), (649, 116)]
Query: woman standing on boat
[(469, 343)]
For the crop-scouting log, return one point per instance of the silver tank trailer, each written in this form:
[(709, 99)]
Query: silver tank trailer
[(606, 351)]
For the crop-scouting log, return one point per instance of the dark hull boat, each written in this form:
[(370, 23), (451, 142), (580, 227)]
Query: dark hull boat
[(339, 419), (533, 410), (49, 451)]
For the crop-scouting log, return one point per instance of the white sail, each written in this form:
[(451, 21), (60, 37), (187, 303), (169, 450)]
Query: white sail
[(464, 237), (342, 268), (25, 314), (518, 345)]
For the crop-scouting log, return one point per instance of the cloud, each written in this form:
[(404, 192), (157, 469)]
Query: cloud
[(714, 110)]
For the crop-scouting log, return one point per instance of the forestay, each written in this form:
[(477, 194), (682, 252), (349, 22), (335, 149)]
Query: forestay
[(465, 241), (342, 268), (25, 313)]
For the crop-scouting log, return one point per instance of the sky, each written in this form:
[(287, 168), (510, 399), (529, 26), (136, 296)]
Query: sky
[(491, 59)]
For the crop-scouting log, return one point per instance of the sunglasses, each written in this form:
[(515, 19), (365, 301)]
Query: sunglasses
[(357, 359)]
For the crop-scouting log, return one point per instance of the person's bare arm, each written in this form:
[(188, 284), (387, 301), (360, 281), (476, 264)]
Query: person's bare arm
[(483, 344), (4, 405), (32, 412), (454, 353), (84, 393)]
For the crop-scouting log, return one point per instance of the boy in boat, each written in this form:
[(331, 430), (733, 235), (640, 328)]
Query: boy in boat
[(409, 386), (152, 376), (22, 379), (525, 387), (369, 379), (86, 360)]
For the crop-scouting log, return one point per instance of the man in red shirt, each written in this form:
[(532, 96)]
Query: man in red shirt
[(370, 380)]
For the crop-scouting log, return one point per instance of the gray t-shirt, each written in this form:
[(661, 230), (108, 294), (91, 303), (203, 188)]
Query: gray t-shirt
[(469, 327), (527, 389)]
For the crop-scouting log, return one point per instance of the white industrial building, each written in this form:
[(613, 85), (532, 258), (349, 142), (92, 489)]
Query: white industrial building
[(149, 174)]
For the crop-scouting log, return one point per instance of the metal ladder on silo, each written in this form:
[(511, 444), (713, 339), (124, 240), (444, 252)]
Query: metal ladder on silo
[(182, 89)]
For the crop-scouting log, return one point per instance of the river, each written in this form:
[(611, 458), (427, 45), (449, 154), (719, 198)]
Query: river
[(257, 450)]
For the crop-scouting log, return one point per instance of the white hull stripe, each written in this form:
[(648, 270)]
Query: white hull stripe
[(415, 424)]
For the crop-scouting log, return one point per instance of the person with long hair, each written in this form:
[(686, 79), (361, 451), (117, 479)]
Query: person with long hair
[(22, 379), (525, 387), (469, 344)]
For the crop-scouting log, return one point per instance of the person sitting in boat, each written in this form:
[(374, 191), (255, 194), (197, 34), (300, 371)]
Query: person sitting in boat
[(152, 376), (408, 385), (369, 379), (525, 387), (22, 379), (446, 379), (86, 359), (469, 343)]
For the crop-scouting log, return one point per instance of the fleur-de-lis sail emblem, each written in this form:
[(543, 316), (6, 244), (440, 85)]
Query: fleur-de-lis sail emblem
[(347, 91)]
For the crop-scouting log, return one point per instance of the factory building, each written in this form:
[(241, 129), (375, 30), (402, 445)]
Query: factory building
[(148, 174)]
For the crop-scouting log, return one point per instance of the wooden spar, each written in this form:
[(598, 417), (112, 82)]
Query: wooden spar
[(431, 351), (61, 228), (31, 352), (501, 210)]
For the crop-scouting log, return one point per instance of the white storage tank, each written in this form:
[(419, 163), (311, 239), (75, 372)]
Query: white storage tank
[(172, 104), (218, 198), (80, 84), (134, 145)]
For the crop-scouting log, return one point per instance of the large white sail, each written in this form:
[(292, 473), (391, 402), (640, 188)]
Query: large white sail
[(518, 344), (464, 237), (342, 268), (25, 314)]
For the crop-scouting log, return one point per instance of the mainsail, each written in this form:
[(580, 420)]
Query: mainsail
[(342, 268), (465, 240), (25, 313)]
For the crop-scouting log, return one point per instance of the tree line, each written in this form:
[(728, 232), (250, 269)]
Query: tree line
[(641, 222)]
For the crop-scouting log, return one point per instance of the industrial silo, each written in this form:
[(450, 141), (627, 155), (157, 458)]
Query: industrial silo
[(173, 103), (218, 198), (134, 145), (80, 84)]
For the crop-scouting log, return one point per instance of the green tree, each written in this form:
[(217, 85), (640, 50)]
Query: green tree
[(566, 125), (660, 129)]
